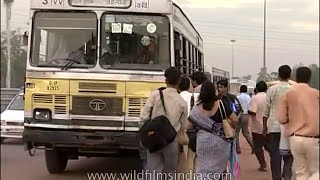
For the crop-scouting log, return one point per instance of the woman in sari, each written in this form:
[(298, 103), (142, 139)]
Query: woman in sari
[(213, 148)]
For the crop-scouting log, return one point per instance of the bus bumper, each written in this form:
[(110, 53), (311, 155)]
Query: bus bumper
[(82, 141)]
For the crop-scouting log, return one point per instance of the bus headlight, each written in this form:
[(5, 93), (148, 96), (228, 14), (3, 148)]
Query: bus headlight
[(42, 114), (3, 122)]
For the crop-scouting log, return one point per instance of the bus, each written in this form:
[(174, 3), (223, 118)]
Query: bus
[(236, 83), (91, 66), (219, 74)]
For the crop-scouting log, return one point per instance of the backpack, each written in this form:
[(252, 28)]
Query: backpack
[(234, 103), (158, 132)]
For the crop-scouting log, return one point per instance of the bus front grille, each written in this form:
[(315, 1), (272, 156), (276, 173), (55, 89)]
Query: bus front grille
[(98, 87), (135, 105), (97, 106)]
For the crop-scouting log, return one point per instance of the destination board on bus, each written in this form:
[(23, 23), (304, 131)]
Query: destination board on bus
[(101, 3)]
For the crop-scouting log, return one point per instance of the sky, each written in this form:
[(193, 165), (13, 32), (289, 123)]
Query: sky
[(292, 31)]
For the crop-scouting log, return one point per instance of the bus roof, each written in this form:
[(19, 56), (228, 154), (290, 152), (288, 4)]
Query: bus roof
[(142, 6)]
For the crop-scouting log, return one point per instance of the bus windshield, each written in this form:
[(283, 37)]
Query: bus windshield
[(135, 42), (61, 39)]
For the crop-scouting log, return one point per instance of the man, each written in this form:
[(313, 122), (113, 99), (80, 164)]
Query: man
[(191, 100), (256, 110), (271, 124), (166, 159), (244, 100), (145, 54), (198, 78), (299, 108), (223, 93)]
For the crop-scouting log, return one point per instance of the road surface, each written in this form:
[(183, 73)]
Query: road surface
[(16, 164)]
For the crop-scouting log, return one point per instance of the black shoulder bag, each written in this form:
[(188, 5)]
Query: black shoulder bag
[(192, 134), (158, 132)]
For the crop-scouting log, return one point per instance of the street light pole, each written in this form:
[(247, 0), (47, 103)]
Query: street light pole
[(264, 69), (232, 72), (8, 12)]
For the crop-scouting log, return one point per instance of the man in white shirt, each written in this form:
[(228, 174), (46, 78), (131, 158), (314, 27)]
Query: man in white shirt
[(191, 100), (245, 100), (271, 125), (166, 159)]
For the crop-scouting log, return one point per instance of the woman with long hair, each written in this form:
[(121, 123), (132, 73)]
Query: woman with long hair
[(213, 148)]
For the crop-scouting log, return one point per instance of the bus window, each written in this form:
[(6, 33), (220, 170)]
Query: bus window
[(135, 42), (61, 38)]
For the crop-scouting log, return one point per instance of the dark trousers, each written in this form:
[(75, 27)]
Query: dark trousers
[(287, 165), (260, 142), (276, 159), (243, 125)]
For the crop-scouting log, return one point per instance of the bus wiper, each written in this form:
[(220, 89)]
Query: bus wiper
[(69, 64)]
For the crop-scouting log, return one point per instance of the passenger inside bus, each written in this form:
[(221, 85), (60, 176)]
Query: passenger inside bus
[(145, 53)]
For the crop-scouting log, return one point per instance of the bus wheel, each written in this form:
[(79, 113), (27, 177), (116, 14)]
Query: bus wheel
[(56, 161), (2, 139)]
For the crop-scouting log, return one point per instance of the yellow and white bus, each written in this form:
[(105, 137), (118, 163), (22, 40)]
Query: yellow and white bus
[(91, 66)]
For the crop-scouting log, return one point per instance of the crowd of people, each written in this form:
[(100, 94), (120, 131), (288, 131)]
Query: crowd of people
[(282, 119)]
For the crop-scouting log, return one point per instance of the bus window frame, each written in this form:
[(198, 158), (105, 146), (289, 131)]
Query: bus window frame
[(136, 14), (60, 11)]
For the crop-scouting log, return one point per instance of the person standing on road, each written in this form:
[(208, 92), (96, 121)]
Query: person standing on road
[(244, 100), (191, 99), (299, 109), (198, 78), (213, 148), (271, 124), (165, 160), (256, 110), (223, 94)]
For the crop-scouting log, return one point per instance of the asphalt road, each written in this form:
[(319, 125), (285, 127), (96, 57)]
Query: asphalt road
[(16, 164)]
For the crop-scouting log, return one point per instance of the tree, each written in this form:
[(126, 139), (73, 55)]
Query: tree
[(315, 76), (18, 60), (268, 77)]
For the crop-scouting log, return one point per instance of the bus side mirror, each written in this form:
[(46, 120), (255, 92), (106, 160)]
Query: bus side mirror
[(25, 38), (177, 44)]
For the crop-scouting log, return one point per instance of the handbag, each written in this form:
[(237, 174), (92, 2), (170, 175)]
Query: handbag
[(227, 129), (158, 132), (182, 137), (192, 134)]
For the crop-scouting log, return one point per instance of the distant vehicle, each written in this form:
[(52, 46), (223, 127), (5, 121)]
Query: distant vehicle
[(215, 75), (12, 119), (236, 83)]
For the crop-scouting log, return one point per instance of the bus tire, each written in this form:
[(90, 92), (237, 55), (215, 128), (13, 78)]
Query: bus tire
[(2, 139), (56, 161)]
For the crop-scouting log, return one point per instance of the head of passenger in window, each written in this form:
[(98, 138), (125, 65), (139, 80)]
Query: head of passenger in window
[(198, 78), (284, 73), (184, 84), (222, 87), (172, 76), (145, 41)]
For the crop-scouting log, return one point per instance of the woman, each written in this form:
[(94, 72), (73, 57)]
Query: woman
[(213, 148)]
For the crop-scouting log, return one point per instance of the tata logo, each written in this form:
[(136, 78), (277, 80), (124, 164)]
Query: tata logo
[(97, 105)]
